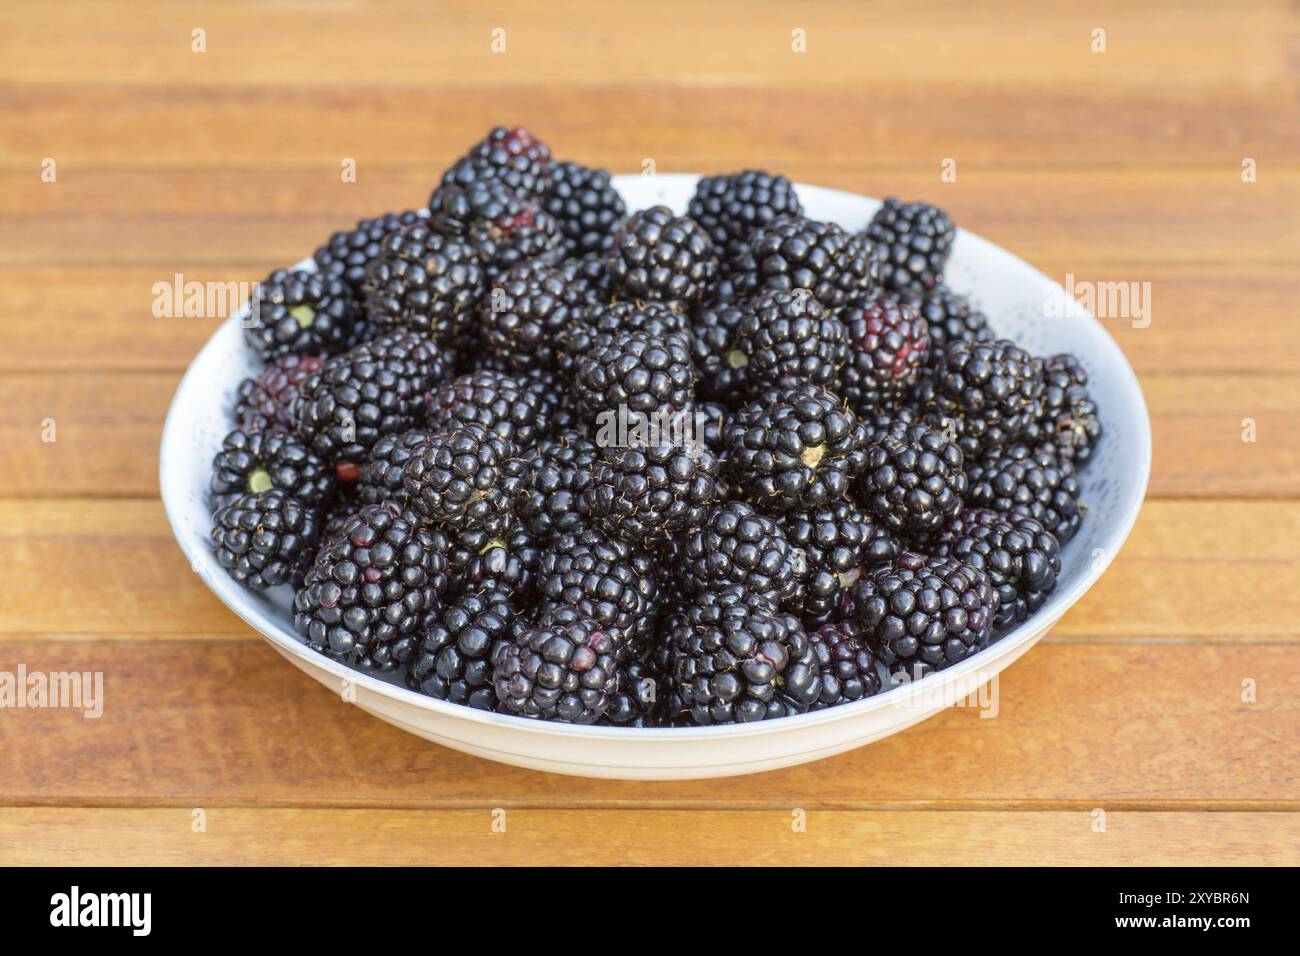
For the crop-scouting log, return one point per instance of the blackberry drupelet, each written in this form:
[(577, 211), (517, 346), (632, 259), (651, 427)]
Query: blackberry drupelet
[(634, 703), (837, 543), (888, 345), (554, 501), (710, 419), (949, 317), (516, 408), (1017, 553), (737, 545), (562, 667), (465, 478), (374, 588), (348, 253), (792, 252), (265, 403), (480, 559), (264, 460), (586, 205), (712, 330), (797, 447), (643, 492), (730, 207), (786, 337), (914, 240), (380, 478), (924, 614), (846, 665), (265, 538), (913, 479), (594, 323), (635, 372), (502, 227), (424, 281), (511, 155), (1067, 416), (656, 255), (298, 311), (526, 312), (1039, 482), (990, 389), (376, 389), (453, 661)]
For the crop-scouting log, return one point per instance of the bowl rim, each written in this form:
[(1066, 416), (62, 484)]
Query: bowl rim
[(234, 596)]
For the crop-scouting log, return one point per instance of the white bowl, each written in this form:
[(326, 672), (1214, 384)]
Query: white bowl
[(1011, 292)]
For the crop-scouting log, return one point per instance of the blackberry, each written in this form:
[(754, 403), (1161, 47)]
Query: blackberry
[(913, 479), (734, 661), (380, 478), (347, 253), (266, 403), (526, 312), (635, 372), (423, 281), (590, 276), (293, 310), (948, 316), (265, 538), (797, 447), (512, 156), (563, 667), (586, 205), (558, 473), (924, 614), (454, 658), (846, 665), (837, 543), (1039, 482), (1067, 416), (501, 226), (787, 337), (991, 389), (468, 477), (914, 239), (517, 409), (711, 419), (1017, 553), (730, 207), (633, 704), (596, 322), (721, 375), (374, 588), (657, 255), (643, 492), (737, 545), (376, 389), (792, 252), (607, 580), (509, 560), (264, 460), (888, 344)]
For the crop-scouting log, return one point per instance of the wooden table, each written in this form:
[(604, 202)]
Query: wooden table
[(1123, 165)]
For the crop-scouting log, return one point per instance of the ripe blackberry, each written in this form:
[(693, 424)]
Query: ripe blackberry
[(467, 477), (797, 447), (991, 389), (380, 478), (914, 240), (586, 205), (265, 538), (643, 492), (924, 614), (635, 372), (792, 252), (734, 661), (453, 660), (558, 473), (737, 545), (501, 226), (374, 588), (913, 479), (376, 389), (526, 312), (516, 408), (837, 543), (1067, 416), (712, 330), (563, 667), (787, 337), (265, 403), (347, 253), (730, 207), (846, 665), (293, 310), (949, 317), (888, 344), (480, 559), (512, 156), (596, 322), (250, 463), (1017, 553), (589, 275), (634, 703), (657, 255), (607, 580), (1039, 482), (424, 281)]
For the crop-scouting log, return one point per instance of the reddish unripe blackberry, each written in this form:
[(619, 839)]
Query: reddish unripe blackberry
[(914, 240), (888, 345), (265, 403), (657, 255)]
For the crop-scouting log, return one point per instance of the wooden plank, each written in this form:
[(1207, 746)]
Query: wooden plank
[(1082, 218), (1071, 726), (265, 837)]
